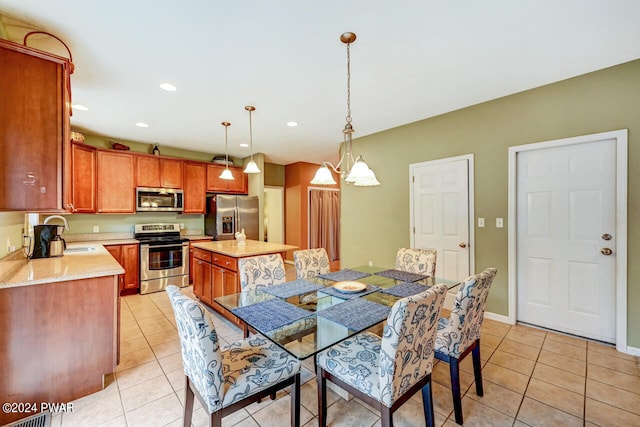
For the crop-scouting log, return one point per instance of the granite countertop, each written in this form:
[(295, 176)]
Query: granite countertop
[(253, 247), (77, 263)]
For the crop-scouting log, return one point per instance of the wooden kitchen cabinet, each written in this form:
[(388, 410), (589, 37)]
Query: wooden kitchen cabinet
[(202, 280), (34, 115), (195, 188), (215, 184), (128, 257), (83, 178), (158, 172), (191, 259), (116, 186)]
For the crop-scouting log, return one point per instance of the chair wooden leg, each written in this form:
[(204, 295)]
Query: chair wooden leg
[(427, 404), (215, 420), (295, 401), (188, 403), (245, 330), (454, 370), (322, 397), (386, 416), (477, 369)]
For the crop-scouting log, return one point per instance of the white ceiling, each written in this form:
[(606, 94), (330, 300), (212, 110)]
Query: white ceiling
[(413, 59)]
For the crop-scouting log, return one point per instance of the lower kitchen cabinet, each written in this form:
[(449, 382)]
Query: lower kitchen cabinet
[(214, 275), (128, 257)]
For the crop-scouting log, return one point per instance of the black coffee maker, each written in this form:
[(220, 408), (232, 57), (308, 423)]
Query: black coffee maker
[(43, 236)]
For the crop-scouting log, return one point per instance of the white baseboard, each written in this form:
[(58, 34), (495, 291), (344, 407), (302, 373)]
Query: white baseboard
[(634, 351), (497, 317)]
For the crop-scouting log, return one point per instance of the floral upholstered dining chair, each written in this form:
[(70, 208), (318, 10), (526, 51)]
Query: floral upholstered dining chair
[(258, 272), (225, 380), (385, 372), (460, 333), (420, 261), (310, 262), (261, 270)]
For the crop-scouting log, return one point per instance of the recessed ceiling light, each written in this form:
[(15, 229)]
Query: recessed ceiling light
[(142, 125), (79, 107), (244, 145), (292, 124), (168, 87)]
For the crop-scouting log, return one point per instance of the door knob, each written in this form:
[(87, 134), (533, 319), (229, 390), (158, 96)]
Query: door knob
[(462, 245), (606, 236), (606, 251)]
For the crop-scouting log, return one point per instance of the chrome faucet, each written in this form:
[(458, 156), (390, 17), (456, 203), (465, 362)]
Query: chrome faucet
[(66, 224)]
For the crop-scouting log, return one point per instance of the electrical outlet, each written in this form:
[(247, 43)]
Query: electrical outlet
[(499, 223), (96, 228), (8, 245), (480, 222), (370, 263), (181, 226)]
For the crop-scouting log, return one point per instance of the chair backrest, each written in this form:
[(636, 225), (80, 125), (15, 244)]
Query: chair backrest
[(262, 270), (408, 339), (421, 261), (200, 347), (465, 320), (310, 262)]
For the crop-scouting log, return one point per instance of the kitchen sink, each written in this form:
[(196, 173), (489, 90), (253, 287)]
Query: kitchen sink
[(80, 249)]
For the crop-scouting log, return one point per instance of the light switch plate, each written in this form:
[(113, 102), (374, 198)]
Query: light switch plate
[(96, 228), (480, 222), (499, 223)]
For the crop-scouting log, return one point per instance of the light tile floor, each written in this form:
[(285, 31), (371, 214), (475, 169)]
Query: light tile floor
[(531, 378)]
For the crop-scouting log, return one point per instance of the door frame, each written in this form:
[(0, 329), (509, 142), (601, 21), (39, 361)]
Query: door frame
[(470, 202), (620, 136)]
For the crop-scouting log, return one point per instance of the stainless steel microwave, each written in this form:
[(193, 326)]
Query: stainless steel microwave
[(159, 200)]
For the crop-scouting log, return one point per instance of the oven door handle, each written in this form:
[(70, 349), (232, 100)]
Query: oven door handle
[(174, 245)]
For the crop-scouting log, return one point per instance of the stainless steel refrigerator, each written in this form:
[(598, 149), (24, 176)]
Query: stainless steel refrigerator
[(227, 214)]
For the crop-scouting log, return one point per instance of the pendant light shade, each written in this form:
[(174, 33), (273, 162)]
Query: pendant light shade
[(353, 170), (323, 176), (226, 173), (252, 167)]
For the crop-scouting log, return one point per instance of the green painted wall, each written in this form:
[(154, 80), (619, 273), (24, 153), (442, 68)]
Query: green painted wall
[(375, 220), (274, 175)]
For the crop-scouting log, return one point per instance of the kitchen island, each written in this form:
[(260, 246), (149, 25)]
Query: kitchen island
[(215, 268), (58, 327)]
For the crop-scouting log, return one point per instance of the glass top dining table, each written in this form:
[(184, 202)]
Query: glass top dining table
[(306, 316)]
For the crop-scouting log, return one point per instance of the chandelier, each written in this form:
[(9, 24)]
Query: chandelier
[(353, 170)]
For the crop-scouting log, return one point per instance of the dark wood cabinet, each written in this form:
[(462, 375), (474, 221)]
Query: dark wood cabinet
[(171, 173), (116, 187), (34, 128), (128, 257), (215, 184), (191, 258), (195, 188), (83, 178)]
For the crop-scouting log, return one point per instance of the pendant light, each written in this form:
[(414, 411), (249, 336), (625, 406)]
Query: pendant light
[(353, 171), (252, 167), (226, 173)]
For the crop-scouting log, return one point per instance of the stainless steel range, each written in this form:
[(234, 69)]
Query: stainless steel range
[(164, 257)]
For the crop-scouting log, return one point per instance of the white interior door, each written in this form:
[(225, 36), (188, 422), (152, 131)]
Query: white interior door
[(274, 214), (566, 225), (441, 211)]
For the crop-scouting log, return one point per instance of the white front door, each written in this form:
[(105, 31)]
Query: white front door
[(440, 212), (566, 238)]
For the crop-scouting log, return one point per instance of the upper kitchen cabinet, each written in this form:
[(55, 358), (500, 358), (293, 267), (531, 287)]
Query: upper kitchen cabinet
[(156, 172), (34, 128), (83, 178), (195, 182), (215, 184), (116, 182)]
